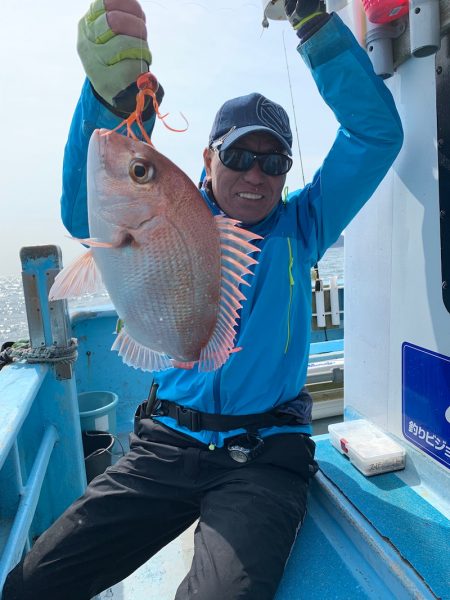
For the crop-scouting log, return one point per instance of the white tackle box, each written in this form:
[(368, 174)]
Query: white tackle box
[(369, 449)]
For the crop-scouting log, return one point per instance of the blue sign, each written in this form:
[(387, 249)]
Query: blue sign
[(426, 401)]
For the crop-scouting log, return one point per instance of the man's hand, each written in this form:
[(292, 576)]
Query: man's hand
[(299, 12), (112, 45)]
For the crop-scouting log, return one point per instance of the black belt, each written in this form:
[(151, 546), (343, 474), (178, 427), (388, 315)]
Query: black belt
[(196, 420)]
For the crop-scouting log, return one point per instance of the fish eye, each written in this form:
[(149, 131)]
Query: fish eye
[(141, 171)]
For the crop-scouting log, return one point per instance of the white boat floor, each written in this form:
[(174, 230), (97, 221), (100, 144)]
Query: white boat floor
[(158, 578)]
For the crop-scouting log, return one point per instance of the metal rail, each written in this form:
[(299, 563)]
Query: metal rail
[(18, 537), (39, 421), (16, 406)]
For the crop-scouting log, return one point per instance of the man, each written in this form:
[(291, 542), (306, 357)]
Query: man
[(230, 448)]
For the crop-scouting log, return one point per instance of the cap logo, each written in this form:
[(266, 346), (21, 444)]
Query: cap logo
[(273, 116)]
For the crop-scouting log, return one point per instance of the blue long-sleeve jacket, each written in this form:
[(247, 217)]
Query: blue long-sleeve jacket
[(274, 329)]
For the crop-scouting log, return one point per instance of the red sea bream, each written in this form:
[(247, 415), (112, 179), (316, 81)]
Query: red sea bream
[(171, 268)]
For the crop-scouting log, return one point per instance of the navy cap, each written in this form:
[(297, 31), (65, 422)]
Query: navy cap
[(247, 114)]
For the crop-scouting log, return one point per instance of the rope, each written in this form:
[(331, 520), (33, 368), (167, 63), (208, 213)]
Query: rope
[(100, 450), (45, 354)]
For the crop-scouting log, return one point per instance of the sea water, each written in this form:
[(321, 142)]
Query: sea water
[(13, 322)]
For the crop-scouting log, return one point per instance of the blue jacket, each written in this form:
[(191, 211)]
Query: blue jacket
[(274, 329)]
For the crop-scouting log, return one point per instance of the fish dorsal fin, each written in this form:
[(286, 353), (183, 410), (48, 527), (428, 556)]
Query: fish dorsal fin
[(235, 249), (138, 356), (80, 277)]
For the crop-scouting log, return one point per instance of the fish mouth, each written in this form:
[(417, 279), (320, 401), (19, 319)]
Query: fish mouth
[(100, 143), (97, 149)]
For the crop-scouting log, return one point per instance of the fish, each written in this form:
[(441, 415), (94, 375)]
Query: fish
[(172, 269)]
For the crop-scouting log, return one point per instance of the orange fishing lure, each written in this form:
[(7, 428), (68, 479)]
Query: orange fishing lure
[(147, 85)]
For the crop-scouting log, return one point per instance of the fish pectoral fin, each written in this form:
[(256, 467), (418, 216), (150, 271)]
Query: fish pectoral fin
[(235, 249), (80, 277), (135, 355)]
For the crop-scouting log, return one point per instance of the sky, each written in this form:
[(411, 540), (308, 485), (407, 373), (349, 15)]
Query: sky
[(204, 53)]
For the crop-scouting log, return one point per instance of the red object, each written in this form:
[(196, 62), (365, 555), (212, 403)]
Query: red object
[(383, 11), (147, 81), (344, 445)]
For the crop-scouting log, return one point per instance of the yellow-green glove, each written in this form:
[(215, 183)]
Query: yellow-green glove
[(112, 45)]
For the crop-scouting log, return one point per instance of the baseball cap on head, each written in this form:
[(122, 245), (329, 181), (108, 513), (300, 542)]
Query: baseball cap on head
[(248, 114)]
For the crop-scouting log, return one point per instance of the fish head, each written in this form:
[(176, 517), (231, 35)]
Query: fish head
[(130, 184)]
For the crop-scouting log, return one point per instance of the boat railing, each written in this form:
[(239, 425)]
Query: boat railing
[(327, 318), (41, 455)]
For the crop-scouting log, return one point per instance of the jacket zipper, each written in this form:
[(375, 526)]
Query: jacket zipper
[(216, 395), (291, 286)]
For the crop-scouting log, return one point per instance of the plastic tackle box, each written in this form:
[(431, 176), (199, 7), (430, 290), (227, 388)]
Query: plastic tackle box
[(369, 449)]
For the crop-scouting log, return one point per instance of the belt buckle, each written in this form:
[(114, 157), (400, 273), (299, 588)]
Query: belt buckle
[(157, 409), (186, 417)]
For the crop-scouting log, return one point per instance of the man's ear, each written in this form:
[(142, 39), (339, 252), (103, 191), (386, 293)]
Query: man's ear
[(207, 159)]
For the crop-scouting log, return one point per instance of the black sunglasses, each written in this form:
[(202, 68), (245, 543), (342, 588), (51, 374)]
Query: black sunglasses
[(240, 159)]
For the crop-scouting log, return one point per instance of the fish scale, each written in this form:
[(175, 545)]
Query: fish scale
[(166, 315)]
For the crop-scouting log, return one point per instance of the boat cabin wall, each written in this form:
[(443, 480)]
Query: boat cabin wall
[(397, 348)]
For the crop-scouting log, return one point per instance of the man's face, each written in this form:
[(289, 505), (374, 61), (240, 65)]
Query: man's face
[(248, 196)]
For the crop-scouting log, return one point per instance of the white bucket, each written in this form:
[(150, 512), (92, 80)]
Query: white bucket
[(98, 411)]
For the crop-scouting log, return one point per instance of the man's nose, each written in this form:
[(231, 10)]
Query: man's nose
[(254, 175)]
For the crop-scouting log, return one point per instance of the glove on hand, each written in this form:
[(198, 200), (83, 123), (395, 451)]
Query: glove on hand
[(112, 45), (300, 12)]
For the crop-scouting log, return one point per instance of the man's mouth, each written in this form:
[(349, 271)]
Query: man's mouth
[(250, 196)]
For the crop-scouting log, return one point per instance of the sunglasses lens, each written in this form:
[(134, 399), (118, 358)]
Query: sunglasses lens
[(275, 164), (239, 159), (236, 159)]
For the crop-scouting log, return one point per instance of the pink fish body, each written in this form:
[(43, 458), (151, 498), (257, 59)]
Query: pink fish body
[(172, 269)]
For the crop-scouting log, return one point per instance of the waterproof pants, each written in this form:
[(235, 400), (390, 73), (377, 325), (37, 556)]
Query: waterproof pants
[(249, 515)]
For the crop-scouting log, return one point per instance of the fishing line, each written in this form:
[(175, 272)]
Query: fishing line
[(316, 266), (142, 56), (293, 111)]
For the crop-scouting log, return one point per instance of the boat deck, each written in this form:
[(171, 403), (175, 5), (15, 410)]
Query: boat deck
[(374, 538), (384, 537)]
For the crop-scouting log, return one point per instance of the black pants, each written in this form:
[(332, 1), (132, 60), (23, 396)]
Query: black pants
[(248, 514)]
